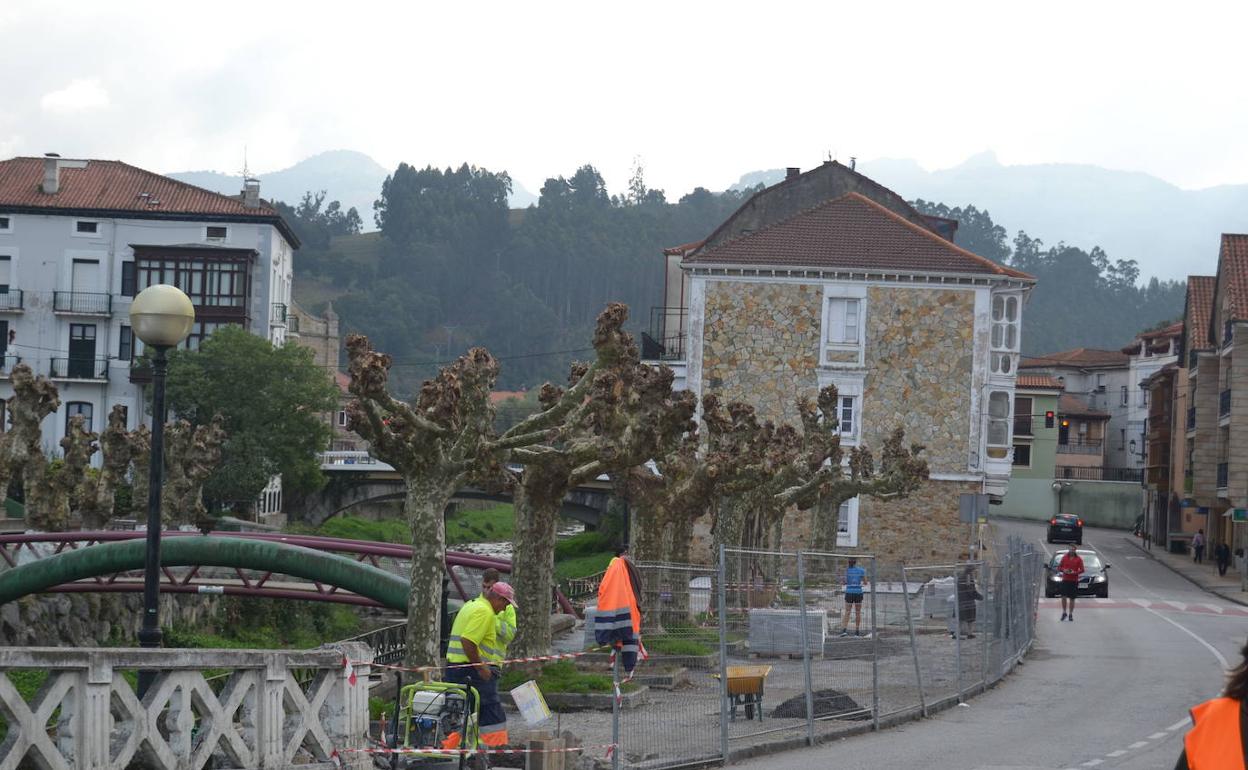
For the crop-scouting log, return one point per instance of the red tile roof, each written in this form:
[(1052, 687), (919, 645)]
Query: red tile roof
[(1173, 330), (1079, 357), (1037, 382), (499, 396), (855, 233), (113, 186), (1199, 311), (684, 247), (1074, 406), (1233, 270)]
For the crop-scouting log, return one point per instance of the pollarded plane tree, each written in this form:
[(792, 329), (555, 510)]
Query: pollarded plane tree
[(440, 442), (626, 416)]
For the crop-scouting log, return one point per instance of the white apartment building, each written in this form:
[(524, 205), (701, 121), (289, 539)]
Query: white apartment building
[(80, 238)]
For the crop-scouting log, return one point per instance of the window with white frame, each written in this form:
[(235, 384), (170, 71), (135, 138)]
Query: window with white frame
[(1123, 398), (342, 418), (998, 425), (846, 414), (86, 227), (6, 224), (216, 232), (848, 407), (1005, 313), (843, 325), (847, 523)]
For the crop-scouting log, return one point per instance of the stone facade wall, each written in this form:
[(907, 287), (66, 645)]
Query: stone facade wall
[(919, 359), (921, 529), (760, 344), (88, 620)]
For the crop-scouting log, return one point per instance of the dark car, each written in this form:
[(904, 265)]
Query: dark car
[(1094, 581), (1066, 528)]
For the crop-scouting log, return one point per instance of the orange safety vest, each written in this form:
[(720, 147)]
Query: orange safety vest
[(1214, 743), (616, 592)]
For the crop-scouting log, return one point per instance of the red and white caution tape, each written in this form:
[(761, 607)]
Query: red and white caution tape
[(422, 669), (348, 670), (456, 752)]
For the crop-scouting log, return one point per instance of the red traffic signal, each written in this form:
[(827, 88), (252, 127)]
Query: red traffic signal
[(1048, 419)]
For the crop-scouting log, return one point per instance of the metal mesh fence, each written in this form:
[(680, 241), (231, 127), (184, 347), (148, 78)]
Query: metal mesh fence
[(676, 696), (768, 646)]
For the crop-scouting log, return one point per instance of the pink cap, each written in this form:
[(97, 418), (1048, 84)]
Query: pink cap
[(505, 591)]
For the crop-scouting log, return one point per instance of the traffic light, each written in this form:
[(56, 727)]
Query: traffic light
[(1048, 419), (1065, 423)]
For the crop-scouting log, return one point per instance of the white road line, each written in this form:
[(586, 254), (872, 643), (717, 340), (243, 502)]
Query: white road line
[(1116, 754), (1043, 545), (1155, 736), (1181, 723), (1139, 744), (1221, 659), (1093, 762)]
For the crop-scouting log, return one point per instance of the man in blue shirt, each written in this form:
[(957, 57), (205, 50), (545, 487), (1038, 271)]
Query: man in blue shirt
[(854, 577)]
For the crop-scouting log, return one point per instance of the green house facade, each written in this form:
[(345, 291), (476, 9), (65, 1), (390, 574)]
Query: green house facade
[(1036, 428)]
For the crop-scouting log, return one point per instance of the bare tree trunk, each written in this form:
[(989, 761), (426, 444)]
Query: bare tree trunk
[(648, 533), (533, 567), (423, 505)]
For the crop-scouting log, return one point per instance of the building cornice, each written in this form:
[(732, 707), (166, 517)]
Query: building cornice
[(864, 276)]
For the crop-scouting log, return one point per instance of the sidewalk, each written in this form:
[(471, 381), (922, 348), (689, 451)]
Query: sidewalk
[(1203, 575)]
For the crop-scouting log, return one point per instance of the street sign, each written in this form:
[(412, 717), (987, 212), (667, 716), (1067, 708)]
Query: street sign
[(972, 507), (1239, 514)]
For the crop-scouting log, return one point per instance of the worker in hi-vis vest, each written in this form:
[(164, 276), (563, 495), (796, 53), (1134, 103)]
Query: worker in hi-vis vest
[(506, 619), (474, 635)]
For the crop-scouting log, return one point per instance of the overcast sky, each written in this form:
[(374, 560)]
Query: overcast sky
[(700, 91)]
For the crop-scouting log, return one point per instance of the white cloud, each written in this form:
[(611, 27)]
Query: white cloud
[(78, 96)]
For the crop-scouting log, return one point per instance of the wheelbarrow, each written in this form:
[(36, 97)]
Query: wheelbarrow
[(745, 688)]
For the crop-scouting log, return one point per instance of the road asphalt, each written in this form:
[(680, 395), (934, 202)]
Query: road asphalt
[(1110, 690)]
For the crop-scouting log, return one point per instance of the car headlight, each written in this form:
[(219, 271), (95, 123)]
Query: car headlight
[(1056, 578), (1098, 579)]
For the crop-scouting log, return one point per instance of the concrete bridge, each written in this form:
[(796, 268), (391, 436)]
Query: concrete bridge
[(355, 479)]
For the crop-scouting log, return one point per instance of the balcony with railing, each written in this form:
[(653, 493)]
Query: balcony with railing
[(1022, 426), (292, 323), (1098, 473), (79, 368), (1224, 474), (82, 303), (1224, 403), (277, 317), (1081, 446), (665, 340), (11, 301)]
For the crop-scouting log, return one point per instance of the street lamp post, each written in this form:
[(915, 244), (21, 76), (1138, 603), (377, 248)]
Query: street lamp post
[(161, 316)]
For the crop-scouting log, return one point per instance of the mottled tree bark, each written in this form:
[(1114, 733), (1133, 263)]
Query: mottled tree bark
[(425, 505), (533, 564)]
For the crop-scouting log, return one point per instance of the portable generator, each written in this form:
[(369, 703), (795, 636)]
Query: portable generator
[(431, 713)]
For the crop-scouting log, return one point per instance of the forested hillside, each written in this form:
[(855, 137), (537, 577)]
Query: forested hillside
[(1082, 298), (453, 266)]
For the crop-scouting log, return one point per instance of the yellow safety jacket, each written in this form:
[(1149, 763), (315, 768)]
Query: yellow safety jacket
[(476, 621)]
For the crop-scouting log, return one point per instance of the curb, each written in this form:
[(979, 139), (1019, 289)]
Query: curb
[(1202, 586)]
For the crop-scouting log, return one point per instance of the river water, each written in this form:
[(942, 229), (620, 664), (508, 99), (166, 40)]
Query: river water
[(503, 550)]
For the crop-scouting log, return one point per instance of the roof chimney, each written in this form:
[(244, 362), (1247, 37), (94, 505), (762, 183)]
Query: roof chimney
[(251, 192), (51, 173), (792, 172)]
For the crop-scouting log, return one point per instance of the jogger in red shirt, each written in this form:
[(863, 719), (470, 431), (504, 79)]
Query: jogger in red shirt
[(1070, 568)]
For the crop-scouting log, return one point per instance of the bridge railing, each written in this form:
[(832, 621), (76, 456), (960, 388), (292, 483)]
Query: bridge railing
[(86, 713)]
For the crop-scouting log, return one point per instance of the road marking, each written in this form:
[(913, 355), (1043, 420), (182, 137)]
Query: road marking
[(1093, 762), (1047, 552), (1139, 744), (1179, 724), (1221, 660), (1155, 736), (1116, 754)]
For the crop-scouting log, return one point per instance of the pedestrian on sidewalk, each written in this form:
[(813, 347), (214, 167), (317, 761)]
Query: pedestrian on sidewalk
[(1222, 555), (1070, 568), (854, 577), (1198, 546), (1219, 734)]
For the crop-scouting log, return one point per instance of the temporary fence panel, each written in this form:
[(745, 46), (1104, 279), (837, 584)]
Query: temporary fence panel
[(842, 591), (768, 637), (676, 719)]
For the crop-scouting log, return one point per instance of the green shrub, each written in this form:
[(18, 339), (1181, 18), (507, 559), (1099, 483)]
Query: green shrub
[(671, 645), (563, 677), (584, 544)]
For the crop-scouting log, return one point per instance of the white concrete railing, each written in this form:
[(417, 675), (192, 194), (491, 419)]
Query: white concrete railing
[(86, 715)]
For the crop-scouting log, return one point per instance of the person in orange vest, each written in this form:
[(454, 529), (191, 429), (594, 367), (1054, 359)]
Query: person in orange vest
[(1218, 739), (617, 621)]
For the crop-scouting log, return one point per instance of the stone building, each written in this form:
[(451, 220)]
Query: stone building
[(1217, 416), (320, 335), (828, 278)]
